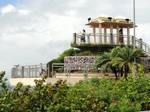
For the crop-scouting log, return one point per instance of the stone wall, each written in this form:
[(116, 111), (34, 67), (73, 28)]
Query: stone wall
[(79, 62)]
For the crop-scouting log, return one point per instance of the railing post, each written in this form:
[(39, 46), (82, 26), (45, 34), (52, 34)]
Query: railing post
[(36, 71), (105, 36), (74, 38), (100, 34), (22, 71), (52, 70), (94, 34), (117, 35), (128, 36), (48, 70), (133, 40), (88, 38), (140, 43), (111, 36), (145, 47), (29, 72), (32, 71)]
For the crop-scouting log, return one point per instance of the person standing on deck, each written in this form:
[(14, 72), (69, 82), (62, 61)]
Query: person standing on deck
[(121, 36), (83, 36)]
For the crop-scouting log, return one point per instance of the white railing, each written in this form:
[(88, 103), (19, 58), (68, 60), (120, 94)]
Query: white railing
[(28, 71), (109, 39)]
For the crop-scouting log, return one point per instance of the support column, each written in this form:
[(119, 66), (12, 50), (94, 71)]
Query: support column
[(117, 36), (128, 36), (105, 36), (94, 34), (111, 36), (100, 34)]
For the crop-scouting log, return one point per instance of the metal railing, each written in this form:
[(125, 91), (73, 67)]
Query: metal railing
[(29, 71), (81, 39)]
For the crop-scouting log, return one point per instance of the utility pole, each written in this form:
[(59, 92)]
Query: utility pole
[(134, 34), (134, 25)]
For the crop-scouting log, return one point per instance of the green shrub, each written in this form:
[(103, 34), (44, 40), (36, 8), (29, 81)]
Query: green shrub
[(90, 95)]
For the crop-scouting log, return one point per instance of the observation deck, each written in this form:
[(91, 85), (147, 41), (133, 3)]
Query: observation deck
[(107, 33)]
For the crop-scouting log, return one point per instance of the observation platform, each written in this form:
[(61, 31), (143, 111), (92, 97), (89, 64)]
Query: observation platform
[(107, 33)]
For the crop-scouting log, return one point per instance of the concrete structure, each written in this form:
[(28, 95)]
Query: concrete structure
[(107, 33)]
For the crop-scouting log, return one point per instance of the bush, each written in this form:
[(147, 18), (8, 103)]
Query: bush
[(90, 95)]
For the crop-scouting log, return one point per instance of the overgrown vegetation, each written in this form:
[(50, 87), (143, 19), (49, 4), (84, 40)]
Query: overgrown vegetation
[(90, 95)]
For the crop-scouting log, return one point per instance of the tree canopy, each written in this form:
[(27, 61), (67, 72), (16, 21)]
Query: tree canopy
[(120, 60), (89, 95)]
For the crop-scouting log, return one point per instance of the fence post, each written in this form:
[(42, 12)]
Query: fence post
[(74, 38), (22, 71), (133, 40), (140, 43), (52, 70), (29, 74), (85, 71)]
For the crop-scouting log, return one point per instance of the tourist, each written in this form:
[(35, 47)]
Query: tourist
[(121, 36), (83, 36)]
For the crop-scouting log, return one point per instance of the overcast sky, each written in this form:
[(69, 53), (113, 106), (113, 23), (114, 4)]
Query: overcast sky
[(35, 31)]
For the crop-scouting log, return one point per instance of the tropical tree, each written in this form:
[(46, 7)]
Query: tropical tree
[(120, 60), (105, 61), (125, 59)]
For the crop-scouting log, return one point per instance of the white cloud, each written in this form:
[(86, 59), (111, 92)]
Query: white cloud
[(11, 9), (8, 9), (23, 12)]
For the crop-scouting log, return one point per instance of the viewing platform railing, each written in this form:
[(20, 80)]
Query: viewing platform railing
[(29, 71), (108, 39)]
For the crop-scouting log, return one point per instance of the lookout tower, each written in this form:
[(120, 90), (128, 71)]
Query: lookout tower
[(107, 33)]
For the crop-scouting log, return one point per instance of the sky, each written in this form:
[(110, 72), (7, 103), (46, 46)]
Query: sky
[(36, 31)]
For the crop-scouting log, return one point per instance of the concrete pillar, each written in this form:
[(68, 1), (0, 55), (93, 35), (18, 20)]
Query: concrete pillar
[(105, 36), (128, 36), (111, 36), (100, 34), (94, 34), (117, 39)]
